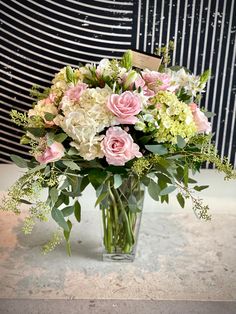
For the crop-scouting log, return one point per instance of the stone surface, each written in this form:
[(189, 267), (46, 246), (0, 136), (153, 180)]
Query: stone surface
[(178, 256), (12, 306)]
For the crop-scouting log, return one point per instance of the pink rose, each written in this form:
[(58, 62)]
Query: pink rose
[(51, 153), (75, 92), (158, 81), (139, 82), (50, 99), (119, 147), (200, 119), (125, 107)]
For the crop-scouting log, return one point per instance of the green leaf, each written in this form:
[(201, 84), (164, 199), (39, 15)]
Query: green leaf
[(71, 164), (165, 198), (67, 211), (205, 76), (49, 116), (65, 198), (126, 60), (37, 168), (67, 237), (97, 177), (209, 114), (84, 182), (180, 142), (67, 233), (25, 202), (101, 197), (117, 181), (77, 211), (72, 151), (60, 137), (20, 162), (38, 132), (185, 175), (53, 193), (157, 149), (190, 180), (69, 74), (162, 177), (59, 218), (200, 188), (74, 182), (154, 190), (64, 185), (168, 190), (180, 199), (145, 181)]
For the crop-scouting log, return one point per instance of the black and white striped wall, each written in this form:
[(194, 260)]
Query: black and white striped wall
[(40, 37)]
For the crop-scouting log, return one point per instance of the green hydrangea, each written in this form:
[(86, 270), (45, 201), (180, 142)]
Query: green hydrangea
[(174, 118)]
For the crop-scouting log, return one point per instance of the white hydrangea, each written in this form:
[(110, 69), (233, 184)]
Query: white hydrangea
[(85, 119)]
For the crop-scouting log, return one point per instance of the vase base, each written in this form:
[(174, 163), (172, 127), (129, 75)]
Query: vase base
[(118, 257)]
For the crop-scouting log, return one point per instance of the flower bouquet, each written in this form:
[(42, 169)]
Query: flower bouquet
[(122, 130)]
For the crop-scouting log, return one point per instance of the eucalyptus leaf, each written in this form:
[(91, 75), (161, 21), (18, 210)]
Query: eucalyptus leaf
[(38, 132), (67, 211), (97, 177), (101, 197), (200, 188), (67, 233), (180, 199), (49, 116), (157, 149), (168, 190), (37, 168), (72, 151), (117, 181), (59, 218), (180, 142), (67, 237), (77, 211), (53, 193), (20, 162), (25, 202), (60, 137), (71, 164), (154, 190)]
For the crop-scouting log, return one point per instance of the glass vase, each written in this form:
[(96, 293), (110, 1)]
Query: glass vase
[(121, 217)]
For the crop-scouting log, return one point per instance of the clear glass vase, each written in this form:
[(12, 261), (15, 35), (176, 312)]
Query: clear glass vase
[(121, 217)]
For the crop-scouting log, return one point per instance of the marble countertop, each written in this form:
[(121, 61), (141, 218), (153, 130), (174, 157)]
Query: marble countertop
[(178, 256)]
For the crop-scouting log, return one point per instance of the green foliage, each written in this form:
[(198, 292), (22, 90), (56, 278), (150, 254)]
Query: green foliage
[(20, 162), (70, 76), (157, 149), (67, 236), (39, 93), (126, 60), (166, 52)]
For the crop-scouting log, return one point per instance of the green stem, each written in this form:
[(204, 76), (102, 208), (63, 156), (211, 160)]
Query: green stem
[(115, 213), (109, 232), (104, 227), (125, 217)]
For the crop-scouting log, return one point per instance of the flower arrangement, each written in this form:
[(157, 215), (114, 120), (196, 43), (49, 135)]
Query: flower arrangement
[(117, 128)]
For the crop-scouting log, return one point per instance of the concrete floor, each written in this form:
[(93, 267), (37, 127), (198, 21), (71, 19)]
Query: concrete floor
[(182, 265)]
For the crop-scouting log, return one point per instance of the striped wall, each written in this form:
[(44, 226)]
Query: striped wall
[(40, 37)]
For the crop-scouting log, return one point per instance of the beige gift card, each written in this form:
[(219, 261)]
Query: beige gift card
[(143, 60)]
